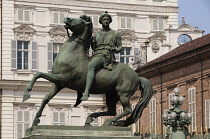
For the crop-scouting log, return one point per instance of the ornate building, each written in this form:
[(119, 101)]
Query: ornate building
[(32, 33)]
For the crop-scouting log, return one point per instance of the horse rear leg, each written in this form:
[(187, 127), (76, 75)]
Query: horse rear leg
[(53, 91), (50, 77), (111, 101), (125, 101)]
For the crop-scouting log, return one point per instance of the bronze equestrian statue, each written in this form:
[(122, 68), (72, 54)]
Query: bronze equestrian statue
[(70, 69)]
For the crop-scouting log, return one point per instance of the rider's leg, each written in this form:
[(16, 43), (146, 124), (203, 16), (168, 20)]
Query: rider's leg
[(94, 64)]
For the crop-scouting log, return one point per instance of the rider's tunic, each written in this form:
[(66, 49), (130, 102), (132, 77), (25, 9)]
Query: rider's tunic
[(103, 42)]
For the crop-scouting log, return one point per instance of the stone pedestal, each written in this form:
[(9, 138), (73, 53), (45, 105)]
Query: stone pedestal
[(78, 132)]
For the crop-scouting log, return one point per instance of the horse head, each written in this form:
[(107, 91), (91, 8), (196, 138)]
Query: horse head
[(77, 25)]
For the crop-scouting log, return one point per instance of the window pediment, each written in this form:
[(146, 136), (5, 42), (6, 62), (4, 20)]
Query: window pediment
[(58, 30), (128, 35), (24, 32), (157, 36), (24, 29), (185, 27), (58, 34)]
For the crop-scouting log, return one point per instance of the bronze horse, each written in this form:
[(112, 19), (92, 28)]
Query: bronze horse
[(70, 70)]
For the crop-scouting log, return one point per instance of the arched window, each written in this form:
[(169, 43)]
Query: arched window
[(184, 38)]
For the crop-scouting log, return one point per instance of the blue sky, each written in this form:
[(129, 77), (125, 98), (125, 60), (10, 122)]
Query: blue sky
[(196, 13)]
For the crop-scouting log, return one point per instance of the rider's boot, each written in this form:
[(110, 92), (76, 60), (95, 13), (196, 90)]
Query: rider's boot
[(88, 85), (85, 96)]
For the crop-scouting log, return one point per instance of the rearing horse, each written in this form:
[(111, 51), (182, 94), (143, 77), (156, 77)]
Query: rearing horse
[(70, 70)]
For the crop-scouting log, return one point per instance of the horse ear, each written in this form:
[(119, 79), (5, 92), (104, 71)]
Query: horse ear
[(86, 18)]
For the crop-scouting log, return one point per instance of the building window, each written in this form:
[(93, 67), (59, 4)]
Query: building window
[(56, 49), (158, 24), (22, 122), (23, 15), (58, 17), (95, 20), (184, 38), (171, 95), (126, 23), (22, 51), (125, 54), (59, 118), (153, 116), (53, 50), (192, 107), (22, 54), (207, 110)]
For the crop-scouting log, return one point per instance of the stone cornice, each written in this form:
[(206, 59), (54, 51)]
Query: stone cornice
[(108, 5), (19, 85)]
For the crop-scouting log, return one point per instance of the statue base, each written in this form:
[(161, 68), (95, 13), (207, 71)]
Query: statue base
[(78, 132)]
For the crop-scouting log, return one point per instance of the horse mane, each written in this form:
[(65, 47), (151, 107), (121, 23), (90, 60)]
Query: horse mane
[(90, 31)]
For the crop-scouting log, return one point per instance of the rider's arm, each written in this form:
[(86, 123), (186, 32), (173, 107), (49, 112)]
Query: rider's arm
[(118, 43), (93, 43)]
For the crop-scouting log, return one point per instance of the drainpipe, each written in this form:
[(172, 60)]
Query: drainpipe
[(161, 98), (1, 39), (202, 90)]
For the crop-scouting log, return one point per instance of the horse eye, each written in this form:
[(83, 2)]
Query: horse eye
[(68, 18)]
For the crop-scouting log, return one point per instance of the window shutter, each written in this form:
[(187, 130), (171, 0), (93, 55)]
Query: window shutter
[(155, 27), (117, 57), (207, 113), (55, 117), (34, 56), (55, 17), (122, 22), (27, 15), (50, 55), (14, 54), (61, 18), (20, 15), (136, 51), (62, 117), (160, 24), (19, 131), (128, 22), (19, 116), (95, 21), (26, 116), (136, 55)]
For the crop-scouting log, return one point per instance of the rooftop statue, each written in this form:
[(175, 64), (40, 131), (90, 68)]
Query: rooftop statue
[(72, 67)]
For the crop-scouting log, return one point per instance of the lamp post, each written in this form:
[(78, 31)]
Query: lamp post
[(177, 118)]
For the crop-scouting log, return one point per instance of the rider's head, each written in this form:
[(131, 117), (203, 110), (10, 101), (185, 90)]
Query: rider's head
[(103, 15)]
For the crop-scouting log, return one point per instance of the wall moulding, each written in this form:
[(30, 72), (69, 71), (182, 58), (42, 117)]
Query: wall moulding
[(107, 5)]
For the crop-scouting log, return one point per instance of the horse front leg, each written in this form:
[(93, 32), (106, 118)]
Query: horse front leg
[(50, 77), (53, 91)]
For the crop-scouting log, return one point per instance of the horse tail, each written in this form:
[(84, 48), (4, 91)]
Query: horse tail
[(146, 94)]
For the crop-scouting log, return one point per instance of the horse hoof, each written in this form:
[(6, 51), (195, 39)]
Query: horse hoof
[(84, 98), (87, 125), (89, 120)]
